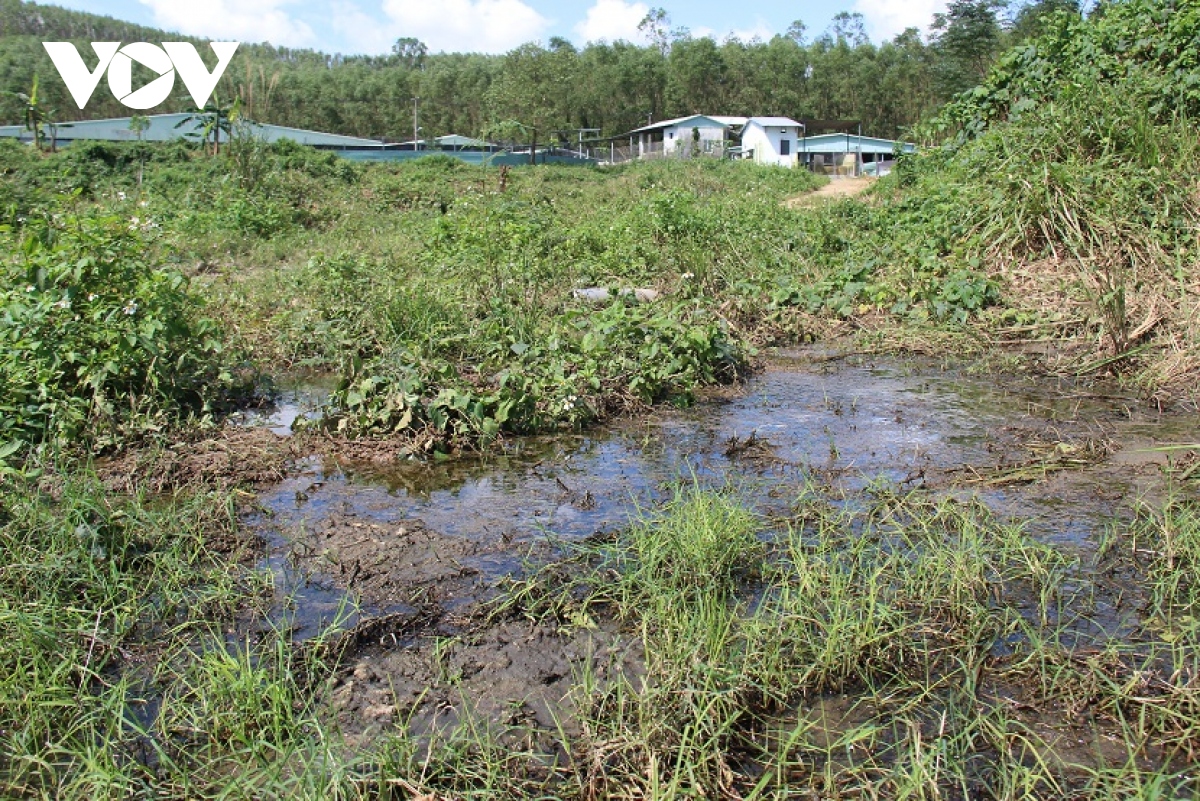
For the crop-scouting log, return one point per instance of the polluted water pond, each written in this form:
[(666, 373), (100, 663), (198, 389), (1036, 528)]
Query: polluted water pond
[(415, 533), (295, 399), (401, 556)]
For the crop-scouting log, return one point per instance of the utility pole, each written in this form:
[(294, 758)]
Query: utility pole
[(858, 153), (804, 143), (416, 141)]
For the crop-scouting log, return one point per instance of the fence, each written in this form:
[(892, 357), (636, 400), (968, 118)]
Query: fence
[(682, 149), (493, 159)]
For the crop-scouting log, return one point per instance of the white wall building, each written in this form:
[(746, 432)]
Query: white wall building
[(677, 137), (771, 140)]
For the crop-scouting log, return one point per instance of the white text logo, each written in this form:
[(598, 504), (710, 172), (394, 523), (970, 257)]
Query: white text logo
[(164, 61)]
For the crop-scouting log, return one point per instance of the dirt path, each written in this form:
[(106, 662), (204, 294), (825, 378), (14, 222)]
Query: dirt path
[(836, 188)]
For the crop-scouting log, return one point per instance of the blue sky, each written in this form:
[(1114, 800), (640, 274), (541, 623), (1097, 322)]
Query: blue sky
[(492, 26)]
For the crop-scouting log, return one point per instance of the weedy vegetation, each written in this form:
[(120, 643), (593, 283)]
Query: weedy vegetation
[(882, 644), (899, 645)]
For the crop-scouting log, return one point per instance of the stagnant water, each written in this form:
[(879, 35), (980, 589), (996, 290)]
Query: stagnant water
[(845, 422)]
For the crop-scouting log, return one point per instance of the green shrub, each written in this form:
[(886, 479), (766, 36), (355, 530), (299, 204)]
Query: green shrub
[(573, 369), (97, 345)]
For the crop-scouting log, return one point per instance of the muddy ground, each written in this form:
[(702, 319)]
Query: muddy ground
[(420, 548), (407, 558), (517, 677), (228, 457), (428, 655)]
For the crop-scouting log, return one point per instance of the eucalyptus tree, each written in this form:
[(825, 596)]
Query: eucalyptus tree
[(532, 90), (410, 52), (967, 38), (696, 77), (850, 28)]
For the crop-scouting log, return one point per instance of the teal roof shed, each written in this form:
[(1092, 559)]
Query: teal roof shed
[(850, 143), (164, 127)]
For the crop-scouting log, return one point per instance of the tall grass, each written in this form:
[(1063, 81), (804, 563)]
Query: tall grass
[(115, 675), (892, 645), (906, 647), (1091, 183)]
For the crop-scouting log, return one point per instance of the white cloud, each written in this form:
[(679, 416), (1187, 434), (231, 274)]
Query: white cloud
[(886, 18), (365, 33), (611, 20), (233, 20), (486, 26), (758, 31)]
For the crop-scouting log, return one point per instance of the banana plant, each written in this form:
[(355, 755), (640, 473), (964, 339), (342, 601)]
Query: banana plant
[(214, 119), (35, 114)]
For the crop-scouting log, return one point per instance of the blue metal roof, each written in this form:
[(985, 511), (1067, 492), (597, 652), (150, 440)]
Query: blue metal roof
[(165, 127), (457, 140), (850, 143)]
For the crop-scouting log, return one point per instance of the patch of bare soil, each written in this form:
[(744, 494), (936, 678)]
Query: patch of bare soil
[(386, 564), (229, 457), (514, 678), (836, 189), (444, 660)]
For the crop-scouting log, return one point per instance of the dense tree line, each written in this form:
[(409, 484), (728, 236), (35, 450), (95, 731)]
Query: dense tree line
[(544, 90)]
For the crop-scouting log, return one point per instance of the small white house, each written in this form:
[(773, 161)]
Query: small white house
[(771, 140), (678, 137)]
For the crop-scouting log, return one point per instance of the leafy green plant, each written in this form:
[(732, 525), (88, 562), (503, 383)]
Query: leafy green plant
[(570, 370), (98, 345)]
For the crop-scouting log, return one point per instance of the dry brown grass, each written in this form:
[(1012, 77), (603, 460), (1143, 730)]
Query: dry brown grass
[(1160, 351), (229, 457)]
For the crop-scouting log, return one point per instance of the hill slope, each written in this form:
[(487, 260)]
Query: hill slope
[(1068, 179)]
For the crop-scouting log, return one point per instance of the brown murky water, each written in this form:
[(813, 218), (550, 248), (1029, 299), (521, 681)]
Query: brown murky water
[(401, 555)]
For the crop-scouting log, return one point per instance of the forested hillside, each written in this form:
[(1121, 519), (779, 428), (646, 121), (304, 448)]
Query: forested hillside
[(813, 74)]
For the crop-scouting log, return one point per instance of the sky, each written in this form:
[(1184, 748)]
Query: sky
[(491, 26)]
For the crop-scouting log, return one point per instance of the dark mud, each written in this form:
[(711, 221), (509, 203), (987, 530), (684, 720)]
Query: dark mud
[(227, 457), (519, 678), (395, 563), (404, 555)]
